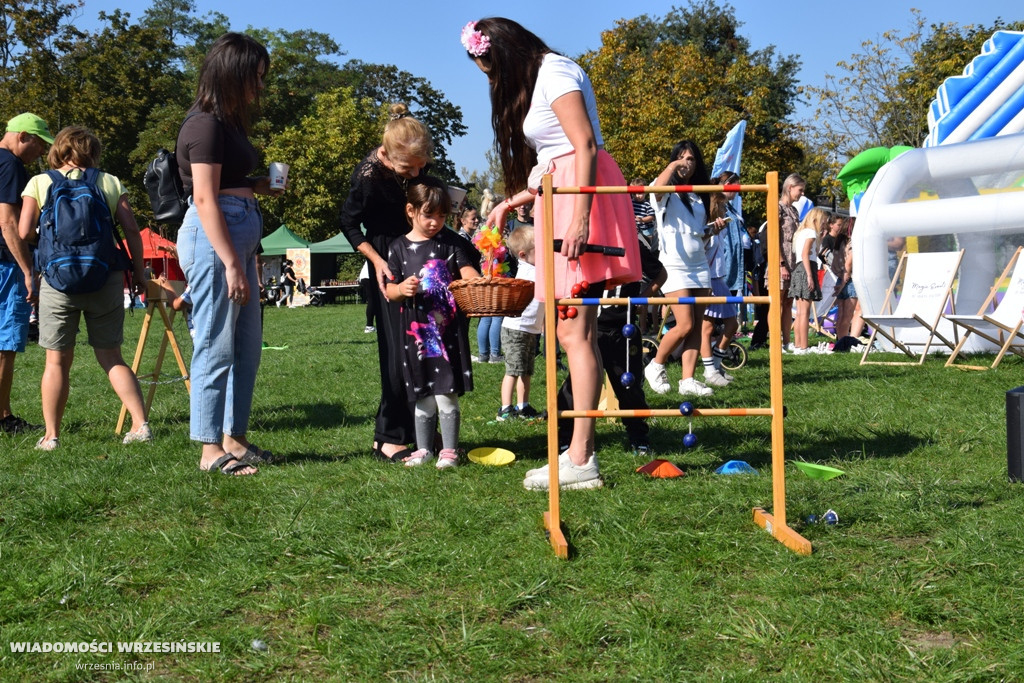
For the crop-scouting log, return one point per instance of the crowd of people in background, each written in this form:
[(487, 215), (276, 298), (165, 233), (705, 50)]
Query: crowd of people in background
[(676, 244)]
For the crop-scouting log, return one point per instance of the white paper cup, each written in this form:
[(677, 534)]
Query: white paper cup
[(458, 195), (278, 176)]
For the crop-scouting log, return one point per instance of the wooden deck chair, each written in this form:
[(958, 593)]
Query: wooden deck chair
[(927, 289), (999, 324)]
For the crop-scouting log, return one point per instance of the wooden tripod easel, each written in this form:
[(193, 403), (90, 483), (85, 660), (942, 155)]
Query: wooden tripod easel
[(156, 298)]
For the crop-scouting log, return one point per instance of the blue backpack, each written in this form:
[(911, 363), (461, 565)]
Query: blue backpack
[(78, 247)]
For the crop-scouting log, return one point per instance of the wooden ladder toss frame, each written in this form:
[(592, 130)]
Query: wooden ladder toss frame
[(774, 523), (156, 298)]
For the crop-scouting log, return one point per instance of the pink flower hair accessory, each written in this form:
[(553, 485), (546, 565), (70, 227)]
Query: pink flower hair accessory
[(475, 42)]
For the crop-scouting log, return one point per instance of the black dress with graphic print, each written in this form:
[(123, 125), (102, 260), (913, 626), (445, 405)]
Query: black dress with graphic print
[(434, 352)]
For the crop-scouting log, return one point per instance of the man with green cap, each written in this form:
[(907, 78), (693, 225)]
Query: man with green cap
[(25, 140)]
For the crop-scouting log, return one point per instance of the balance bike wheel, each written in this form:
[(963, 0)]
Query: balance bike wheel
[(736, 358)]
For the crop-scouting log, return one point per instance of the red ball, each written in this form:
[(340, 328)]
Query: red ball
[(562, 308), (576, 289), (572, 312), (584, 285), (562, 315)]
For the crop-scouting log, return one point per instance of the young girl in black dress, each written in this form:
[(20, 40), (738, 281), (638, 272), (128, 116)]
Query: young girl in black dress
[(434, 353)]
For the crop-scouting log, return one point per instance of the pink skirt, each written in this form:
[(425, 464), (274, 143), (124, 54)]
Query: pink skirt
[(611, 224)]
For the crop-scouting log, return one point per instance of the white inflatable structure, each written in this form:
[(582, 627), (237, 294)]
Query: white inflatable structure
[(971, 190), (987, 100)]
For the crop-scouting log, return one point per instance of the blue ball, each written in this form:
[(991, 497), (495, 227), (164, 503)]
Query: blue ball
[(627, 379), (686, 408), (689, 440), (629, 330)]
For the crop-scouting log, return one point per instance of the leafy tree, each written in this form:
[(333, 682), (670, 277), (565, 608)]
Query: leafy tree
[(476, 181), (299, 70), (385, 84), (322, 150), (34, 34), (881, 95), (113, 79), (691, 75)]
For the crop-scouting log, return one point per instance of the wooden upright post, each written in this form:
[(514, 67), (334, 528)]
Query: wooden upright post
[(156, 297), (545, 241)]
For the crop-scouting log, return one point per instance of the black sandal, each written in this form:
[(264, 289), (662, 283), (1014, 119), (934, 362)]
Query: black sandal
[(394, 459), (229, 464)]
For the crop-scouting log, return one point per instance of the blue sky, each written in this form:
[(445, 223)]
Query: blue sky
[(423, 37)]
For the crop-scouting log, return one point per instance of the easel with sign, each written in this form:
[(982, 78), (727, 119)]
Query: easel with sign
[(156, 301)]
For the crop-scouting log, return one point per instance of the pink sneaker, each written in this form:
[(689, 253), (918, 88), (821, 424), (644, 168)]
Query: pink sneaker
[(417, 458), (449, 457)]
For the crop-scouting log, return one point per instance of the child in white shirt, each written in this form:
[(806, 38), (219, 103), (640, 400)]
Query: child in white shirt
[(519, 335)]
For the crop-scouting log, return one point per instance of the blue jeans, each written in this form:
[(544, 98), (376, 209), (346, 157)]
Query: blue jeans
[(488, 337), (228, 337)]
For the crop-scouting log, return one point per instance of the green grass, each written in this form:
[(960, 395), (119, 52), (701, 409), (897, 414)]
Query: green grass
[(351, 569)]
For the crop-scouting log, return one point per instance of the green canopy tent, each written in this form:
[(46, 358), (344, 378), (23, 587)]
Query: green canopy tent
[(280, 241), (334, 245), (323, 264)]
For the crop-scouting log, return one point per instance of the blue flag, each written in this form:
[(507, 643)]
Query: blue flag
[(728, 156), (728, 159)]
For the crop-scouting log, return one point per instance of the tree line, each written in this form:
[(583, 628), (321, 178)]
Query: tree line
[(689, 74)]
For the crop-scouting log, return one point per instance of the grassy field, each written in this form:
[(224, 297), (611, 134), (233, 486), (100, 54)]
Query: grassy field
[(346, 568)]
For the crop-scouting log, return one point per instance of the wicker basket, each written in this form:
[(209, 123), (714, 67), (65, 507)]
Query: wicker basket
[(481, 297)]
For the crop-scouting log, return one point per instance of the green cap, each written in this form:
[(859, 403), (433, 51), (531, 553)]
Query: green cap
[(32, 124)]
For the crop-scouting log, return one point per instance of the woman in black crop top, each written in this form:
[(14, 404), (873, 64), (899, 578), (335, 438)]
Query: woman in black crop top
[(217, 246), (376, 201)]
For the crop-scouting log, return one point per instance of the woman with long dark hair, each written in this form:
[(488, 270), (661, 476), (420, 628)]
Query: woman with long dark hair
[(217, 246), (682, 236), (544, 115)]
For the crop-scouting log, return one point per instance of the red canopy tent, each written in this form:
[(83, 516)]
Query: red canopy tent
[(159, 255)]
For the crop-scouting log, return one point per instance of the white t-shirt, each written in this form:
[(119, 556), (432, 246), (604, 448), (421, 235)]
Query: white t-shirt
[(558, 75), (799, 240), (532, 319)]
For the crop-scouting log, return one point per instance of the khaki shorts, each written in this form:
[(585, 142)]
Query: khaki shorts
[(520, 349), (59, 314)]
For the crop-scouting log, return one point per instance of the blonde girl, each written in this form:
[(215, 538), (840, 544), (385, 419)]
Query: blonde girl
[(804, 285)]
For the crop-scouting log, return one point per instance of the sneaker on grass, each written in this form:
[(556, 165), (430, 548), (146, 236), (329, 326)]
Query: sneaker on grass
[(12, 424), (528, 412), (448, 457), (657, 377), (507, 413), (693, 387), (715, 378), (417, 458), (142, 434), (570, 477)]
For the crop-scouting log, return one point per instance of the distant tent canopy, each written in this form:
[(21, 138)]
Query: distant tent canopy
[(334, 245), (280, 241), (160, 255)]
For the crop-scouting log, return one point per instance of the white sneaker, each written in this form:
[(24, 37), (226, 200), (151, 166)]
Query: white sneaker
[(789, 348), (563, 460), (657, 378), (721, 370), (45, 444), (417, 458), (448, 457), (692, 387), (801, 352), (822, 348), (715, 378), (570, 477), (368, 329)]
